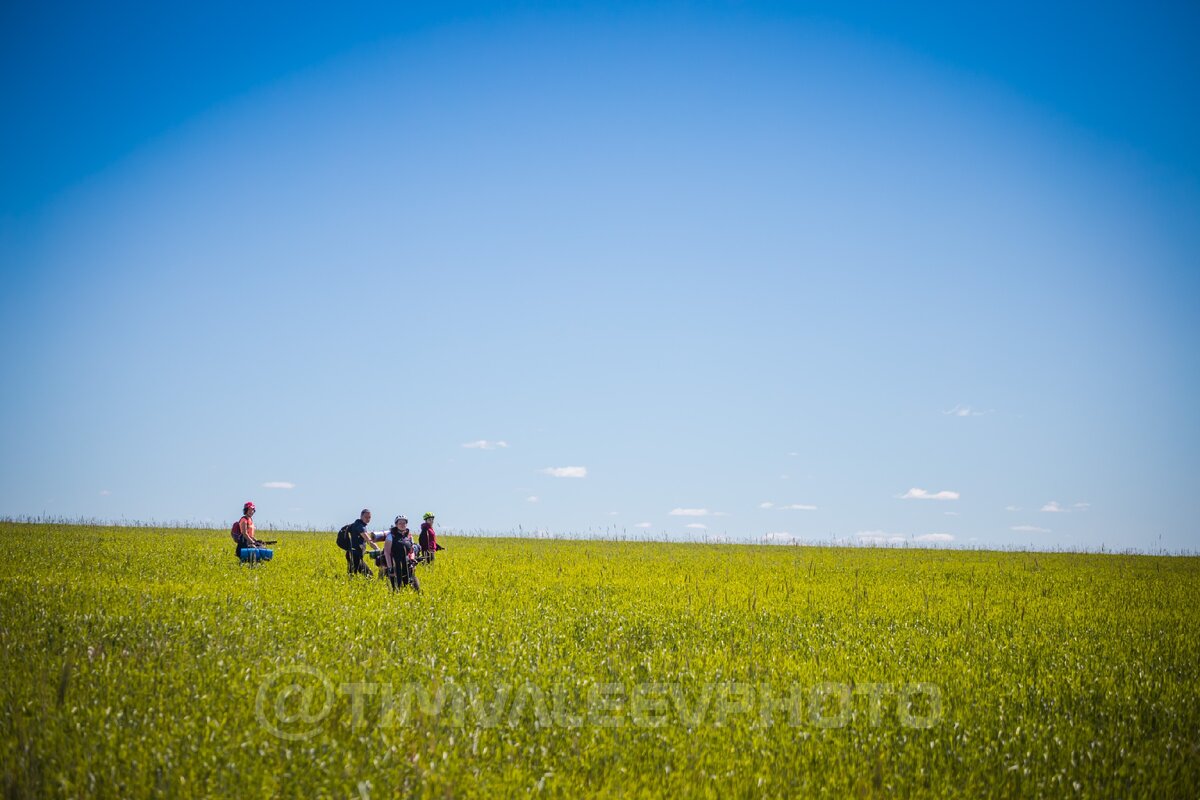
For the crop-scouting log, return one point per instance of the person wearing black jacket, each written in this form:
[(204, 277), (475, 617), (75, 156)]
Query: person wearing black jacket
[(359, 536), (398, 550)]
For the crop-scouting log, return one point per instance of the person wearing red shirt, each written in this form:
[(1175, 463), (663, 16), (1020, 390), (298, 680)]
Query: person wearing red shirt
[(428, 538), (243, 530)]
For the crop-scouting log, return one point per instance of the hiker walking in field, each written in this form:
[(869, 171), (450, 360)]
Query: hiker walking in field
[(428, 538), (245, 545), (352, 538), (398, 550)]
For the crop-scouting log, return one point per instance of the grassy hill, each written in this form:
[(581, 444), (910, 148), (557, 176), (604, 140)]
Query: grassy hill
[(140, 663)]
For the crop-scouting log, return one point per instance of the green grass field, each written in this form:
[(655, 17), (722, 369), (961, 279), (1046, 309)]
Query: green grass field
[(141, 663)]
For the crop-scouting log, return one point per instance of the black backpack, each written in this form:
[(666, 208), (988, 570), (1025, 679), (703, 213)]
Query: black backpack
[(343, 537)]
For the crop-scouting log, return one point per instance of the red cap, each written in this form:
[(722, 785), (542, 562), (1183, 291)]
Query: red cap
[(248, 506)]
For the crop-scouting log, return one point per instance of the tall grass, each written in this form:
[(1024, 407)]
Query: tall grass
[(137, 664)]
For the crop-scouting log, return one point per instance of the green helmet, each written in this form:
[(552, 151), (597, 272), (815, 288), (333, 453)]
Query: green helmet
[(428, 515)]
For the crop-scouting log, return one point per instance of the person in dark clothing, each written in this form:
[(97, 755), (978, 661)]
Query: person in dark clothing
[(359, 537), (398, 550)]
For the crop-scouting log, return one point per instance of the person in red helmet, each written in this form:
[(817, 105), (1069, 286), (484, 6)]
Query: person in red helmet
[(243, 531)]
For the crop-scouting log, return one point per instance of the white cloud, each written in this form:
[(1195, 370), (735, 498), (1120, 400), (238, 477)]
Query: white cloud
[(1081, 506), (1030, 529), (798, 507), (697, 526), (533, 498), (778, 537), (920, 494), (1012, 508), (965, 411), (565, 472), (950, 513), (689, 512), (105, 492), (793, 454), (644, 525), (935, 537), (279, 485), (484, 444), (1054, 508), (614, 513), (878, 537), (766, 505)]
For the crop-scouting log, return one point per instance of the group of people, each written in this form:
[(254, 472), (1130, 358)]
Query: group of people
[(397, 559)]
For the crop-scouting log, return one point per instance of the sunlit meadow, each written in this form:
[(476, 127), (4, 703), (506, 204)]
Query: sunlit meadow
[(138, 662)]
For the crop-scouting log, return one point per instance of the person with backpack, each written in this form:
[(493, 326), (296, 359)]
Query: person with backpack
[(428, 538), (398, 550), (351, 538), (245, 545)]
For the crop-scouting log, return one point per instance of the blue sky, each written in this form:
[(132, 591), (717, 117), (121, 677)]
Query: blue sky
[(812, 272)]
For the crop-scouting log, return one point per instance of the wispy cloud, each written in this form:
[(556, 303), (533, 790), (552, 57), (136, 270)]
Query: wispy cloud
[(766, 505), (793, 454), (105, 492), (1054, 508), (689, 512), (279, 485), (697, 526), (1012, 508), (1029, 529), (484, 444), (921, 494), (644, 525), (565, 472), (950, 513), (935, 537), (533, 498), (965, 411), (797, 507), (1081, 506), (878, 537)]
